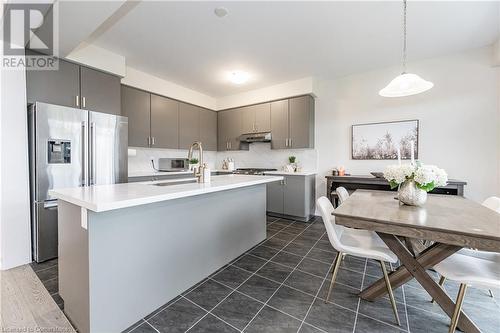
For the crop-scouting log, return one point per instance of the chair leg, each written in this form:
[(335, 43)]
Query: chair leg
[(458, 308), (389, 290), (442, 279), (336, 266)]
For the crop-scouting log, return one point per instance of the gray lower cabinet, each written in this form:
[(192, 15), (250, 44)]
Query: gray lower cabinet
[(61, 87), (75, 86), (292, 123), (208, 129), (164, 122), (136, 105), (294, 197), (100, 91), (189, 125)]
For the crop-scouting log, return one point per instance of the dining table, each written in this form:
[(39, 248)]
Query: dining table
[(421, 237)]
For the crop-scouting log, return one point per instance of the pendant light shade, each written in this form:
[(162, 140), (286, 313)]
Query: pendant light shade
[(406, 84)]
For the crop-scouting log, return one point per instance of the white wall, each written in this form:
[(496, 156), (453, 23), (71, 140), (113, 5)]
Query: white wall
[(459, 119), (279, 91), (145, 81), (15, 239), (97, 57)]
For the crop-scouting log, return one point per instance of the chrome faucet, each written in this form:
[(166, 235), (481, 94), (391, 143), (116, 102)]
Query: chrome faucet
[(198, 172)]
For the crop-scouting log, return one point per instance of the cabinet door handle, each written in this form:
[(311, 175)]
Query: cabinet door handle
[(286, 142), (153, 141), (84, 104), (77, 100), (289, 142), (149, 141)]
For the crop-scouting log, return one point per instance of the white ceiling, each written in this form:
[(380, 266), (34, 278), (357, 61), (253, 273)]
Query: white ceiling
[(184, 42)]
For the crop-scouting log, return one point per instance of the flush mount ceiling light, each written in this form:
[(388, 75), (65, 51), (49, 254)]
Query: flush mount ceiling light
[(405, 84), (221, 11), (238, 77)]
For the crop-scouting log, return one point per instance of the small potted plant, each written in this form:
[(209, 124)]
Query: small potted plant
[(293, 160), (193, 163)]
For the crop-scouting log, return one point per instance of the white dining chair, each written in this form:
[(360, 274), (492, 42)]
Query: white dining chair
[(342, 194), (492, 203), (358, 243), (479, 271)]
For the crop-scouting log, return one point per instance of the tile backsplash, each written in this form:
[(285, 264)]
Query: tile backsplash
[(260, 155), (139, 159)]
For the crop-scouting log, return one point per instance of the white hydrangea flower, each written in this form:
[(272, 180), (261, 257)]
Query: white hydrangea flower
[(424, 175), (398, 173), (441, 177)]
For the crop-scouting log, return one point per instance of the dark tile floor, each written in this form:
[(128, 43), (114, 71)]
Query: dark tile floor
[(281, 285)]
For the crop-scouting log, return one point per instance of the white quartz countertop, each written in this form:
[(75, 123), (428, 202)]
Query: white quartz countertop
[(284, 173), (100, 198), (150, 173)]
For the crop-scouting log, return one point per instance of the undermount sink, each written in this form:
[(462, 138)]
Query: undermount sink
[(172, 183)]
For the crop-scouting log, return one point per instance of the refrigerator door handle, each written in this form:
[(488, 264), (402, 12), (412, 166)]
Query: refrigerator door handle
[(92, 153), (85, 153), (50, 204)]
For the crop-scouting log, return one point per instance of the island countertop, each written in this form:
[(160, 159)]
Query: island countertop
[(100, 198)]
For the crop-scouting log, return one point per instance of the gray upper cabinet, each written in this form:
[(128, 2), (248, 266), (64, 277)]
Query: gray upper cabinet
[(229, 128), (189, 125), (61, 87), (292, 123), (160, 122), (75, 86), (164, 122), (136, 106), (263, 117), (279, 124), (301, 110), (255, 118), (247, 119), (208, 129), (99, 91)]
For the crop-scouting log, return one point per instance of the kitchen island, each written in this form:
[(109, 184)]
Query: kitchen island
[(127, 249)]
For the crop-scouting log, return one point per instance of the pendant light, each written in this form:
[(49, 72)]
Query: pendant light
[(405, 84)]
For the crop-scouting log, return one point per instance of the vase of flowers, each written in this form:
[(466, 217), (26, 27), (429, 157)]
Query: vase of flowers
[(414, 181)]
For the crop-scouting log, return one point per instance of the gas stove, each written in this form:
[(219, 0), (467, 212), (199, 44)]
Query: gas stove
[(252, 171)]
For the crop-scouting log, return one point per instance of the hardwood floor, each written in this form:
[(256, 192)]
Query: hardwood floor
[(26, 305)]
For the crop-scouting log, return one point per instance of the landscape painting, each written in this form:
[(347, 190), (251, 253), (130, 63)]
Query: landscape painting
[(380, 141)]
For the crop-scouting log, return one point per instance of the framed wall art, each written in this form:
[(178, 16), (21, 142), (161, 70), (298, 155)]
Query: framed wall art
[(380, 141)]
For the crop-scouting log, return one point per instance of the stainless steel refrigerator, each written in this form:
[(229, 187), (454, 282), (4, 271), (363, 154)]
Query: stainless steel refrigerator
[(69, 148)]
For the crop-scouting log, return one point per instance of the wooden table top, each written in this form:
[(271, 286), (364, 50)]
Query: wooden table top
[(446, 219)]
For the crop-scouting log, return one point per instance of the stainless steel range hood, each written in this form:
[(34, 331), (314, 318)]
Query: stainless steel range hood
[(256, 137)]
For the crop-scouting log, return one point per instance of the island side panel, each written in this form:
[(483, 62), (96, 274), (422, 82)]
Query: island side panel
[(73, 264), (141, 257)]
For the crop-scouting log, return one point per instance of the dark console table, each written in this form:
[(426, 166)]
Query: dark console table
[(352, 183)]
